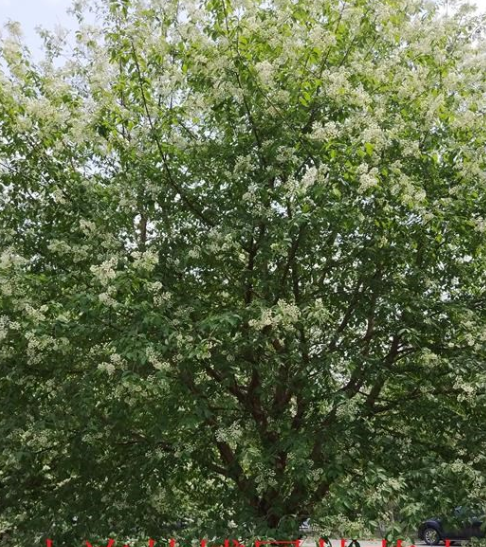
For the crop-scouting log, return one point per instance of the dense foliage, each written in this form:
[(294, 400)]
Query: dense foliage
[(242, 267)]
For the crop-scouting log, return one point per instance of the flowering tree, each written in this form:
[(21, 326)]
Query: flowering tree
[(242, 264)]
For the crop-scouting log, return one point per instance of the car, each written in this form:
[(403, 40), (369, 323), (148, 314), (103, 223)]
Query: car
[(463, 525), (309, 527), (305, 527), (175, 525)]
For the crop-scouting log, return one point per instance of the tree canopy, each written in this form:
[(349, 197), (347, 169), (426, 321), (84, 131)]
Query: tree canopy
[(242, 266)]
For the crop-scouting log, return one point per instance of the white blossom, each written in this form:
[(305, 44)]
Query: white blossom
[(105, 271)]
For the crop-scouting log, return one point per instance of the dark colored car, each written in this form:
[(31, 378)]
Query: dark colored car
[(462, 526)]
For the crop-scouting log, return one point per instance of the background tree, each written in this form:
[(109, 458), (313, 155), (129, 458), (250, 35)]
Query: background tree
[(242, 265)]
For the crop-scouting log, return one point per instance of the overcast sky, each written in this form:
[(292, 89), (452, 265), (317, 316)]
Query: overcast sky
[(49, 13), (33, 13)]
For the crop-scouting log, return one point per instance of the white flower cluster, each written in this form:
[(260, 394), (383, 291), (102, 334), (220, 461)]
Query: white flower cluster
[(480, 225), (298, 187), (59, 196), (284, 314), (44, 110), (183, 340), (36, 315), (337, 84), (145, 261), (468, 390), (109, 368), (229, 434), (251, 194), (106, 297), (482, 335), (329, 131), (12, 50), (194, 253), (162, 298), (219, 241), (316, 474), (87, 226), (265, 71), (375, 135), (411, 148), (155, 360), (429, 358), (317, 311), (285, 154), (345, 411), (288, 313), (411, 194), (367, 179), (4, 325), (427, 216), (116, 361), (59, 246), (459, 467), (154, 287), (265, 479), (37, 345), (469, 339), (309, 178), (243, 165), (9, 259), (105, 271), (266, 319)]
